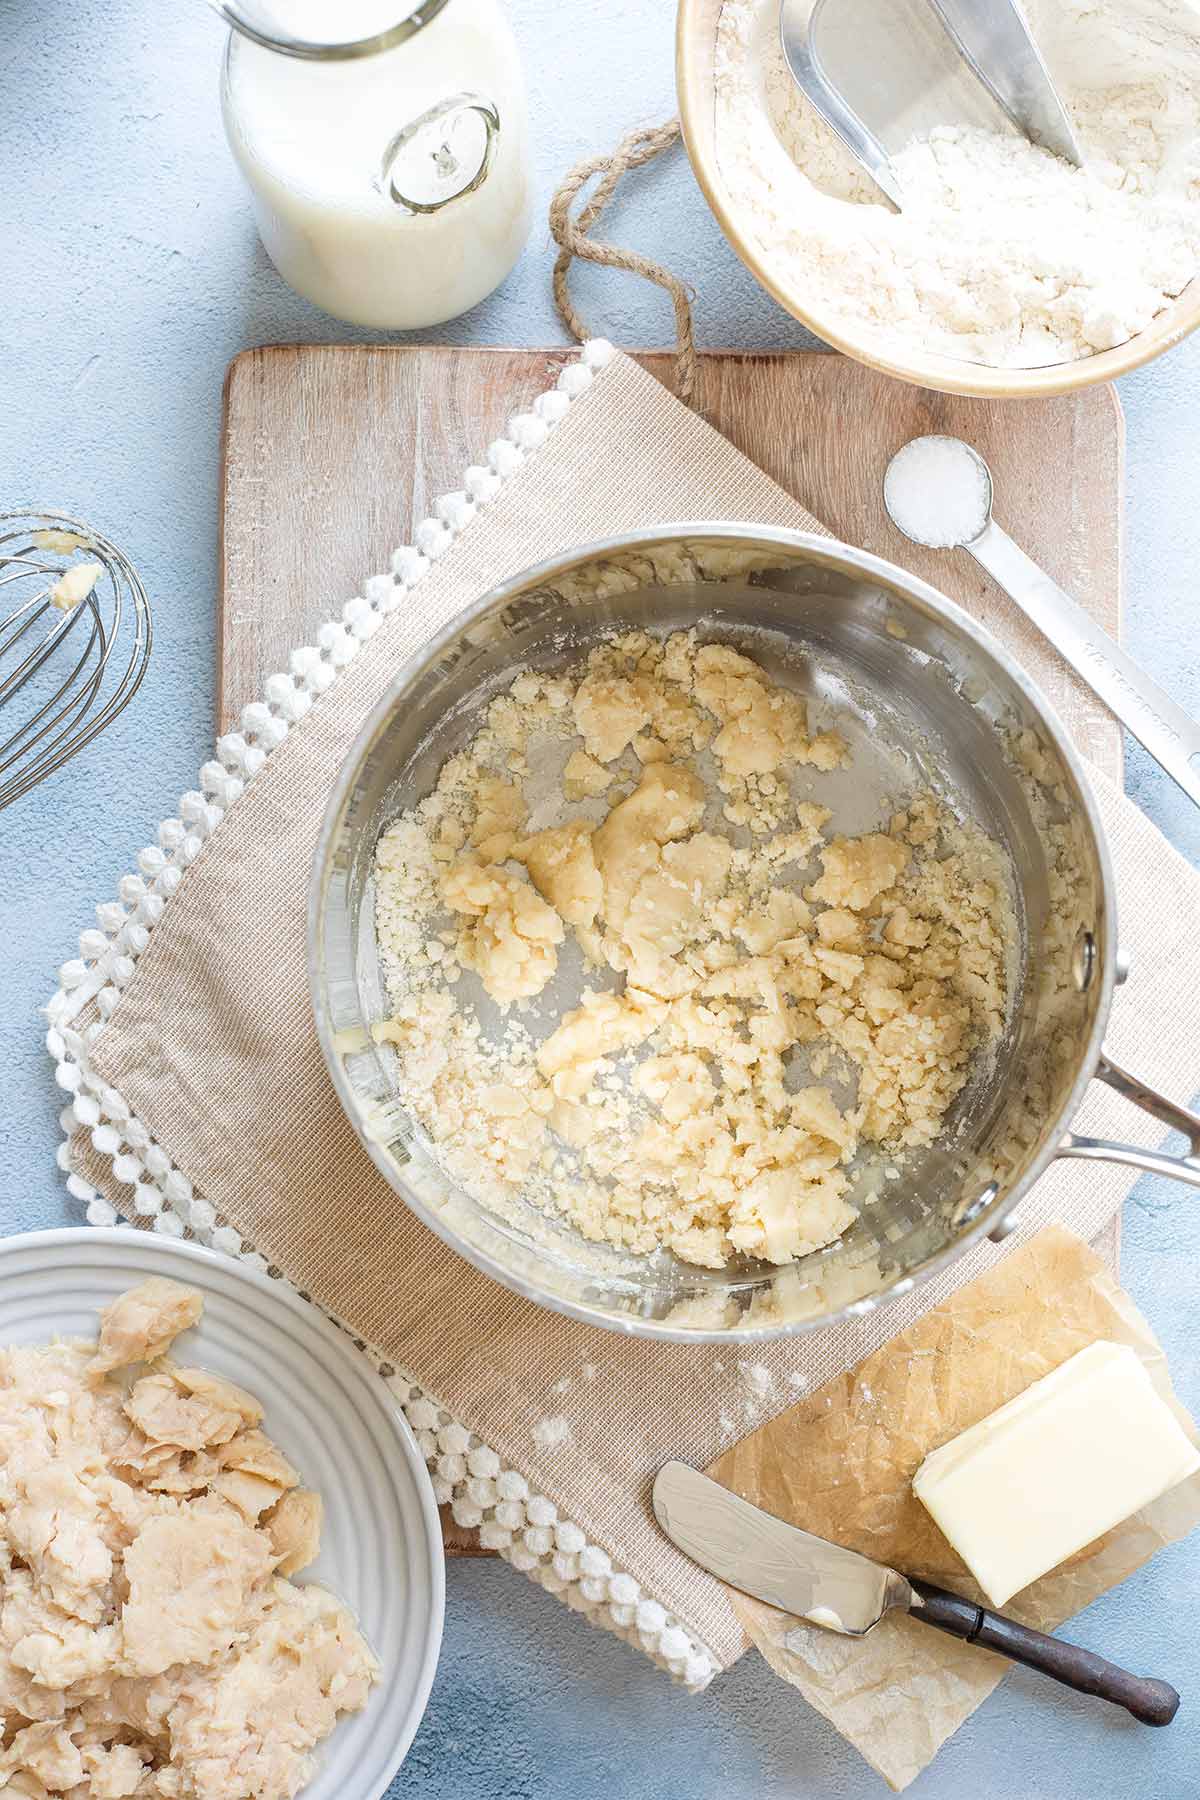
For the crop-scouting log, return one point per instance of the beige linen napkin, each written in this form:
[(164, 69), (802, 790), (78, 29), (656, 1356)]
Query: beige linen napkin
[(212, 1045)]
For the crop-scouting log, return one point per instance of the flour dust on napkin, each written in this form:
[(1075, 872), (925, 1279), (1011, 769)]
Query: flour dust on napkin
[(212, 1048)]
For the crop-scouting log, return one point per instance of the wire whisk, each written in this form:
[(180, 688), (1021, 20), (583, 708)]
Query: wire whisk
[(73, 646)]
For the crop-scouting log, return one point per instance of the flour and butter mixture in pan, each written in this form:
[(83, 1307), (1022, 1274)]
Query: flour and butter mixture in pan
[(756, 999)]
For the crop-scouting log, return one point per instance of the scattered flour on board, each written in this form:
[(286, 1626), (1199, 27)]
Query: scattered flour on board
[(1003, 254)]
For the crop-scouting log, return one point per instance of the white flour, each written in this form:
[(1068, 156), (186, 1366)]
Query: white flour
[(1003, 254)]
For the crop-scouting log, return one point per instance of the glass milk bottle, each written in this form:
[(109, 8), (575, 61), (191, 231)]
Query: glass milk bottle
[(385, 145)]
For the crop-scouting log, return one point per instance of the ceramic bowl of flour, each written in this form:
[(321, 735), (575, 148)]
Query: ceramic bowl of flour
[(1007, 273)]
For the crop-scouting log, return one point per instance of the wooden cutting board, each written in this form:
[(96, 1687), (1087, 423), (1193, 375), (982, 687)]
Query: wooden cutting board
[(333, 453)]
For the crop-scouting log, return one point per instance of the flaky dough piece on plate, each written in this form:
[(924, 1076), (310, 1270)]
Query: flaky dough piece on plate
[(151, 1644)]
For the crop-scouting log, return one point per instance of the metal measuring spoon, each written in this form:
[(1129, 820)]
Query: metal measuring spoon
[(957, 515)]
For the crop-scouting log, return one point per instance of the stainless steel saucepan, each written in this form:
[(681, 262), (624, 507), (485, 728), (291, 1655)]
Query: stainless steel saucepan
[(926, 698)]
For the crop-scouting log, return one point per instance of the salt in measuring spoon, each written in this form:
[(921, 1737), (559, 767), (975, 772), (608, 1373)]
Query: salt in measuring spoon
[(938, 492)]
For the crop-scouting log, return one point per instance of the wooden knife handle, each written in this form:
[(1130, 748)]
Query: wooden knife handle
[(1153, 1702)]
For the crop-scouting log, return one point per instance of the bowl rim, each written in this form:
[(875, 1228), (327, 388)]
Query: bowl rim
[(945, 374), (996, 1216), (337, 1344)]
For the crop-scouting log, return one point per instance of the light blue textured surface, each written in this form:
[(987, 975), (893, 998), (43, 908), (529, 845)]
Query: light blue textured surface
[(131, 275)]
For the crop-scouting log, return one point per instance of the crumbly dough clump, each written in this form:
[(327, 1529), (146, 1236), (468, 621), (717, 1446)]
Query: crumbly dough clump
[(688, 1099), (150, 1645)]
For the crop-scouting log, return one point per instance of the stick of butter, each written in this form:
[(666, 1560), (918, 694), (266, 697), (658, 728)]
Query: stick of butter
[(1055, 1468)]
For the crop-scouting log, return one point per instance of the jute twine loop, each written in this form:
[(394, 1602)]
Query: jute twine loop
[(572, 235)]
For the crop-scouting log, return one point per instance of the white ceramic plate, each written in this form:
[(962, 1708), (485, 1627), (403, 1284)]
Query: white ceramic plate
[(331, 1414)]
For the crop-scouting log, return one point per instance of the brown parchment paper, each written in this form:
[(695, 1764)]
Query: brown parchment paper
[(841, 1462)]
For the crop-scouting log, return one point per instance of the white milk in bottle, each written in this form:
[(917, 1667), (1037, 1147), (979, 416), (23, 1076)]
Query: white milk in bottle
[(390, 188)]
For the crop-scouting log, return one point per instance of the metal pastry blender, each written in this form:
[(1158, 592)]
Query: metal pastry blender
[(993, 39), (844, 1592)]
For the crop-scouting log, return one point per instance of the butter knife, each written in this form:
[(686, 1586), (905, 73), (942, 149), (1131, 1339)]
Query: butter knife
[(844, 1592)]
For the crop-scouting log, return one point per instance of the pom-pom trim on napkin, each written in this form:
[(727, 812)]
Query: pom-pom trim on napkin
[(483, 1494)]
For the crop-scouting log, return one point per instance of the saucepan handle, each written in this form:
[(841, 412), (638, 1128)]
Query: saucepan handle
[(1158, 1162)]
